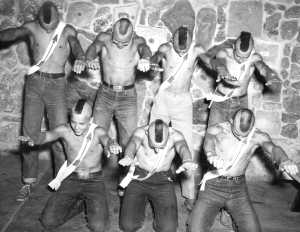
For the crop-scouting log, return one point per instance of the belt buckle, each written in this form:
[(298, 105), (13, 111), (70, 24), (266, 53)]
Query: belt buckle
[(83, 175), (118, 88)]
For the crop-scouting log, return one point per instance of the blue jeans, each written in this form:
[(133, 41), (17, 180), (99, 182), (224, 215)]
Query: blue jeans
[(42, 93), (223, 111), (72, 198), (160, 192), (230, 194), (122, 105)]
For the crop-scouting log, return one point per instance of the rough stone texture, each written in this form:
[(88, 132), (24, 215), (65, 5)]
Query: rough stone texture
[(281, 7), (221, 19), (153, 18), (143, 17), (288, 29), (269, 8), (159, 5), (290, 131), (268, 121), (295, 72), (284, 74), (6, 8), (81, 14), (291, 103), (296, 85), (290, 118), (287, 50), (271, 24), (9, 132), (200, 114), (103, 21), (292, 12), (220, 36), (285, 62), (104, 2), (245, 16), (180, 14), (206, 24), (286, 83), (8, 58), (296, 55), (22, 53), (269, 51), (270, 106), (29, 9)]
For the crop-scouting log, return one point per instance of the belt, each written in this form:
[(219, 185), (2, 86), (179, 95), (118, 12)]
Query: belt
[(86, 176), (235, 98), (118, 87), (51, 75), (232, 177)]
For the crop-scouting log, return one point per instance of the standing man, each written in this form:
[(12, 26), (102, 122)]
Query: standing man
[(173, 102), (235, 66), (51, 42), (229, 147), (149, 154), (120, 52), (83, 187)]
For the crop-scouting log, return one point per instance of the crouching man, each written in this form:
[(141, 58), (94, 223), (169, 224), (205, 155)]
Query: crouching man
[(149, 154), (79, 182)]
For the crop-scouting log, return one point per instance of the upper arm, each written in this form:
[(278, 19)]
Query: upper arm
[(265, 141), (97, 44), (179, 140), (161, 53), (55, 134), (12, 34), (143, 48), (101, 135)]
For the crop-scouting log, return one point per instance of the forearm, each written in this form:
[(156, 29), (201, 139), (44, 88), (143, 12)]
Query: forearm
[(209, 146), (278, 155), (144, 51), (13, 34), (131, 149), (76, 48), (91, 52), (265, 70), (183, 151)]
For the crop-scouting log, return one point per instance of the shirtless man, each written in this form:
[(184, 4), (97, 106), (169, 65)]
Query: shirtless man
[(173, 102), (120, 52), (235, 66), (45, 82), (86, 183), (149, 154), (229, 147)]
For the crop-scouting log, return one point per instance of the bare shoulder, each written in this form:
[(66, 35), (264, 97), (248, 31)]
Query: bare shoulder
[(138, 39), (223, 53), (176, 135), (198, 48), (165, 47), (261, 136), (70, 30), (256, 57), (100, 131), (31, 26)]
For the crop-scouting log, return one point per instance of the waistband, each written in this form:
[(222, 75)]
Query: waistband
[(87, 176), (50, 75), (118, 88), (235, 98), (241, 177)]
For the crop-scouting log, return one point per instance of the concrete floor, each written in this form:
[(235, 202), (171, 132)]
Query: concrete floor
[(272, 203)]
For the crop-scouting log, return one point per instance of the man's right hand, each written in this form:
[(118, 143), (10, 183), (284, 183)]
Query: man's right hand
[(93, 64), (79, 66), (26, 139), (216, 161), (126, 161)]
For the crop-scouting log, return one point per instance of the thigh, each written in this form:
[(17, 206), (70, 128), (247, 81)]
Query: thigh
[(164, 203), (204, 212), (133, 207), (243, 213), (96, 206), (218, 113), (103, 108)]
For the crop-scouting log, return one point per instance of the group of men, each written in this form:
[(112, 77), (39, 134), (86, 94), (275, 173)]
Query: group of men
[(147, 151)]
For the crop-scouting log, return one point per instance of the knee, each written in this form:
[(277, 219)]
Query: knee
[(48, 222), (97, 226), (129, 226)]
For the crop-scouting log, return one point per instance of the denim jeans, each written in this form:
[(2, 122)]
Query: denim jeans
[(159, 190), (232, 195), (72, 198), (42, 93), (223, 111)]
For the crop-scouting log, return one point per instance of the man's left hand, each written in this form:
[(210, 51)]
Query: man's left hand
[(188, 166), (114, 148), (143, 65), (290, 167), (79, 66)]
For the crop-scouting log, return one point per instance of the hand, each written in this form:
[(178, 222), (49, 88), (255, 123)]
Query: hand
[(126, 161), (290, 167), (143, 65), (187, 166), (115, 148), (93, 64), (79, 66), (216, 161), (26, 139)]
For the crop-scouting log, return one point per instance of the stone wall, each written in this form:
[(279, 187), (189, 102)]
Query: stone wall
[(274, 24)]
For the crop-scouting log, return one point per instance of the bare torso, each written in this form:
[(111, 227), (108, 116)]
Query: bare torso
[(227, 146), (39, 41), (148, 159), (92, 159), (119, 65), (242, 72), (181, 68)]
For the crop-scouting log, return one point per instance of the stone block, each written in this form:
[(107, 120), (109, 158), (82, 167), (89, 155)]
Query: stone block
[(8, 135), (288, 29), (271, 24), (206, 26), (269, 52), (286, 83), (292, 12), (284, 74), (296, 85), (287, 49), (295, 72), (200, 112), (105, 2), (269, 8), (7, 8), (182, 13), (289, 131), (143, 15), (291, 103), (22, 53), (81, 14), (153, 18), (158, 5), (103, 20), (296, 55), (285, 63), (245, 16), (281, 7), (271, 106), (290, 118), (268, 121), (8, 58), (221, 19)]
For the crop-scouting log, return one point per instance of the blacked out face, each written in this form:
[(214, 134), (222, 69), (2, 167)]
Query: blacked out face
[(48, 16)]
